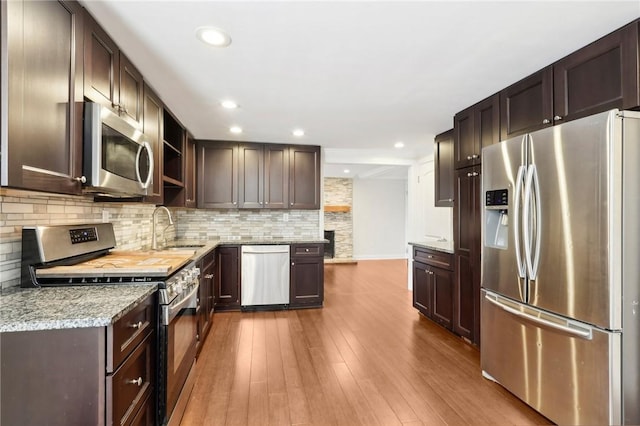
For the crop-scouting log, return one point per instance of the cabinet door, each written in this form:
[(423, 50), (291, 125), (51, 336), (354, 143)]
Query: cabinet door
[(306, 282), (251, 175), (598, 77), (467, 242), (527, 105), (487, 122), (442, 311), (304, 177), (190, 178), (131, 92), (217, 175), (422, 288), (276, 176), (464, 139), (152, 128), (227, 291), (101, 65), (443, 157), (45, 72)]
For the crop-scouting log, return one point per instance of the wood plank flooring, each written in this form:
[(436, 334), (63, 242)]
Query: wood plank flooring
[(366, 358)]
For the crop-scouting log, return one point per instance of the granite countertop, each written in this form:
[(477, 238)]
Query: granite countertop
[(50, 308), (444, 246), (210, 244)]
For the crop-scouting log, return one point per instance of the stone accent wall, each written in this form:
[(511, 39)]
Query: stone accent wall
[(132, 223), (339, 192)]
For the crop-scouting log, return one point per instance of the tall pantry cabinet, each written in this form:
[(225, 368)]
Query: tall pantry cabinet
[(474, 128)]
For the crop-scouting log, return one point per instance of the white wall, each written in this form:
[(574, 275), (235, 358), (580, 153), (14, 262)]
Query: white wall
[(424, 220), (379, 218)]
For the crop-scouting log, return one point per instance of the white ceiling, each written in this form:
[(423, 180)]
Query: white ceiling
[(356, 76)]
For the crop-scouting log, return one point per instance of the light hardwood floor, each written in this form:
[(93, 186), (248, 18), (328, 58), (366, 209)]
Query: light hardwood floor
[(366, 358)]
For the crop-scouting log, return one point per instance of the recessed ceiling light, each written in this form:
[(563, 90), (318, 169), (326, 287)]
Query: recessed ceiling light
[(213, 36), (347, 170), (399, 145), (229, 104), (298, 132), (235, 130)]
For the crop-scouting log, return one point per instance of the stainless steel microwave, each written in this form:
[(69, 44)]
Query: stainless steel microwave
[(117, 157)]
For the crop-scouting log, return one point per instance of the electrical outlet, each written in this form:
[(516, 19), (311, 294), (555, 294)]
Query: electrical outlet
[(105, 215), (285, 217)]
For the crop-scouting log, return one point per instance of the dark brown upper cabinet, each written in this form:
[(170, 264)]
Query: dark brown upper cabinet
[(527, 105), (444, 171), (258, 176), (601, 76), (44, 44), (152, 128), (217, 172), (304, 177), (110, 78), (474, 128), (263, 176)]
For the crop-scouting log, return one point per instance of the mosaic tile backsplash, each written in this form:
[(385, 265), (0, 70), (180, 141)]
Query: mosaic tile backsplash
[(132, 223)]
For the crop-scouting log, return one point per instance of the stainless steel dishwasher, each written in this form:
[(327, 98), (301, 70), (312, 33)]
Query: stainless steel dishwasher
[(264, 278)]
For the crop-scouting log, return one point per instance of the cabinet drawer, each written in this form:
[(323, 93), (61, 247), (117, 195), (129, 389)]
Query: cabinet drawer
[(126, 333), (307, 250), (129, 387), (433, 257)]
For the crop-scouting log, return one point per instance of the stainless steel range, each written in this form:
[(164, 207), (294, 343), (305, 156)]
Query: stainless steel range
[(66, 255)]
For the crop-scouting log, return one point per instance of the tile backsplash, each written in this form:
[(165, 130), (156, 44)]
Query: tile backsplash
[(132, 223)]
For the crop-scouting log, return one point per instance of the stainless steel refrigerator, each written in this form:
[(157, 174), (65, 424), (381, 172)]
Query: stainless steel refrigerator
[(560, 314)]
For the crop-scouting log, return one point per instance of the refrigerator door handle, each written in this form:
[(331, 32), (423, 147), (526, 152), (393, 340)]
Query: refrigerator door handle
[(533, 274), (516, 221), (526, 218), (570, 328)]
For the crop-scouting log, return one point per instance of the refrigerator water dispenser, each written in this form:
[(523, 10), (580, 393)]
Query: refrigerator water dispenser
[(496, 219)]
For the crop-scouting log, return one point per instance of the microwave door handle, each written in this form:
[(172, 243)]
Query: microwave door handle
[(144, 145)]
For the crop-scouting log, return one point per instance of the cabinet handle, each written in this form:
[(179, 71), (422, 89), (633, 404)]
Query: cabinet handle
[(292, 203), (208, 276), (469, 157), (235, 202), (137, 381), (266, 202), (293, 264), (472, 174), (307, 250), (475, 156), (137, 325), (449, 199), (429, 257), (546, 121), (81, 179), (557, 118)]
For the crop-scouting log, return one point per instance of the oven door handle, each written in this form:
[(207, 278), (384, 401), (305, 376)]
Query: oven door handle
[(170, 312)]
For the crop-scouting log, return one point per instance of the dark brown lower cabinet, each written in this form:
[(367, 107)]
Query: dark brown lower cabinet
[(306, 276), (227, 279), (207, 266), (82, 376), (433, 285)]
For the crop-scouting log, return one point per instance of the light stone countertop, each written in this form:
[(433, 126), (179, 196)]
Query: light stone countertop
[(444, 246), (51, 308)]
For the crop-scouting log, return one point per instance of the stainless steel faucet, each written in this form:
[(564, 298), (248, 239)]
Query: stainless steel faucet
[(154, 220)]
